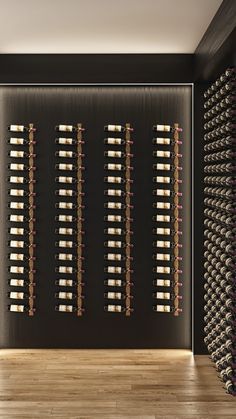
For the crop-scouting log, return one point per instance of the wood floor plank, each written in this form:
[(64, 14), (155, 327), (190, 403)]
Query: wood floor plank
[(110, 384)]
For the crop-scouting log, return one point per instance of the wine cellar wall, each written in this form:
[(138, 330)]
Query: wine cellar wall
[(95, 203), (219, 223)]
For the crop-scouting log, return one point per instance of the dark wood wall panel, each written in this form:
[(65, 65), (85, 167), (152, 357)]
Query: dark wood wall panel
[(96, 106)]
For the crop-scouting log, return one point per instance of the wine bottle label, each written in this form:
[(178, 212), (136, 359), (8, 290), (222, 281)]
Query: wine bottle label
[(114, 231), (162, 309), (16, 256), (17, 192), (65, 308), (162, 179), (162, 283), (162, 295), (117, 128), (161, 243), (165, 128), (16, 179), (65, 218), (65, 205), (16, 243), (68, 231), (114, 205), (65, 192), (113, 256), (65, 282), (65, 141), (112, 166), (16, 128), (17, 205), (16, 218), (14, 153), (162, 256), (114, 295), (114, 179), (66, 154), (114, 269), (162, 192), (17, 269), (114, 308), (163, 231), (162, 205), (63, 166), (162, 141), (114, 283), (163, 218), (65, 256), (161, 166), (16, 295), (65, 179), (65, 128), (65, 295), (65, 270), (112, 243), (111, 153), (17, 282), (114, 218), (17, 308), (160, 153), (162, 269), (114, 192), (65, 243), (114, 141), (15, 166), (16, 141), (15, 230)]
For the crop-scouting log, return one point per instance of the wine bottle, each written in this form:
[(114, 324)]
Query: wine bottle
[(65, 283), (114, 141), (114, 282), (115, 231), (113, 166), (66, 141), (65, 256), (66, 231), (65, 192), (17, 282), (166, 128), (65, 218), (111, 295), (66, 154), (114, 192), (65, 205), (114, 308), (66, 308), (17, 295), (61, 295), (114, 205), (18, 308), (114, 269), (114, 256), (114, 218), (65, 179), (114, 128), (65, 128), (17, 128)]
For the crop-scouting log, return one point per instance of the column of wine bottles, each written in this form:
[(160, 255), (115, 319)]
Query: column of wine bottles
[(166, 195), (21, 217), (69, 219), (220, 226), (118, 232)]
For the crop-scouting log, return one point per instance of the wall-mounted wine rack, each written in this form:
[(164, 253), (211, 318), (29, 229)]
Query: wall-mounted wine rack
[(220, 226), (69, 219), (167, 269), (118, 232), (22, 220)]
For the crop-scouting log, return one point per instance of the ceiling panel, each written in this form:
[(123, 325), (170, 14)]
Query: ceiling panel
[(104, 26)]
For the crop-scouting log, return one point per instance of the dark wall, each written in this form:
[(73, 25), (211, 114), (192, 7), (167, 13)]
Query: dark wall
[(96, 68), (95, 107)]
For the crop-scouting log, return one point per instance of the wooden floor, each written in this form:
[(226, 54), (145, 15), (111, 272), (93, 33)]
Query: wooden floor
[(114, 384)]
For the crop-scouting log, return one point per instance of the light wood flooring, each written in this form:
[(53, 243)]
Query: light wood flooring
[(114, 384)]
